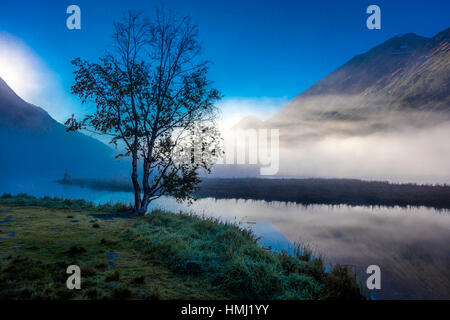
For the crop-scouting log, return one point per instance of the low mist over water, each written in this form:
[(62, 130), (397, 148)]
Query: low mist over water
[(404, 155)]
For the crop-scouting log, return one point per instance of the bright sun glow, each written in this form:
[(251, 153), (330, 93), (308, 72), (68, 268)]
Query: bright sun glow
[(31, 79), (235, 109), (18, 67)]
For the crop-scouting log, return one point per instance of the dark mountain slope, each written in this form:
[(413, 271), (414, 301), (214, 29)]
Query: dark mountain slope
[(367, 69), (33, 144)]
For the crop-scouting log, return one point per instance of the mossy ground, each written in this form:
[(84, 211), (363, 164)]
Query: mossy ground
[(160, 256)]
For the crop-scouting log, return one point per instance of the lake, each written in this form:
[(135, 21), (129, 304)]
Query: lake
[(410, 245)]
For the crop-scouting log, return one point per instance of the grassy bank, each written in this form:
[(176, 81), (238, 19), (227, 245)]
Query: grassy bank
[(160, 256)]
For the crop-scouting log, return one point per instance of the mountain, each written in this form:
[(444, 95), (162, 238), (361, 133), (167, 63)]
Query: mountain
[(383, 115), (34, 144), (404, 81), (16, 113)]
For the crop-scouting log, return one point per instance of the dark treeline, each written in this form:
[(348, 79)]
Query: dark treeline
[(113, 185), (304, 191), (328, 191)]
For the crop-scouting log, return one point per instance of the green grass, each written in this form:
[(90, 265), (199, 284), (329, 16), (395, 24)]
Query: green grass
[(160, 256)]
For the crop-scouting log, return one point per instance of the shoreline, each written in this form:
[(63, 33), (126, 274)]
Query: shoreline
[(151, 257)]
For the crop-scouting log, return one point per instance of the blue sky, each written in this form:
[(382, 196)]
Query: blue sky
[(264, 52)]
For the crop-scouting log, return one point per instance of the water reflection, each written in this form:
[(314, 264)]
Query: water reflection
[(411, 245)]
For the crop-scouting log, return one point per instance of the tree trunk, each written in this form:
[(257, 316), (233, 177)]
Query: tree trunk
[(137, 188), (144, 207), (145, 186)]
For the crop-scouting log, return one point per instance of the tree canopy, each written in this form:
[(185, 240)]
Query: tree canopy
[(153, 100)]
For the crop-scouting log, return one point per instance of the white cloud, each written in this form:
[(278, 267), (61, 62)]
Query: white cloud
[(234, 109)]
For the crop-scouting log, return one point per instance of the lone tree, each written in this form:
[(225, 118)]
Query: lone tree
[(154, 101)]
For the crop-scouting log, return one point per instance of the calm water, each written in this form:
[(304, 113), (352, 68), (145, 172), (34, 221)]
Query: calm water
[(411, 245)]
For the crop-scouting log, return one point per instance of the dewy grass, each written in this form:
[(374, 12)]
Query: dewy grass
[(59, 203), (230, 258), (160, 256)]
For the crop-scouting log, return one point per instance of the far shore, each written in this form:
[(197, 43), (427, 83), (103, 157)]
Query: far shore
[(303, 191)]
